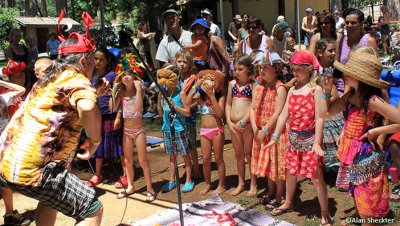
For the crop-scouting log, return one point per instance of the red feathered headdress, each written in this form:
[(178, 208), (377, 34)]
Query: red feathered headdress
[(84, 44)]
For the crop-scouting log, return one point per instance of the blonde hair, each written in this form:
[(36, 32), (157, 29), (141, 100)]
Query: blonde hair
[(288, 39), (186, 55)]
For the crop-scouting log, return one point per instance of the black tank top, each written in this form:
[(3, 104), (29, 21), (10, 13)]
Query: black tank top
[(20, 58)]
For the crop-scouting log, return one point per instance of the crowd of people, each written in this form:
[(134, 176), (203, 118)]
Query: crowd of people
[(290, 113)]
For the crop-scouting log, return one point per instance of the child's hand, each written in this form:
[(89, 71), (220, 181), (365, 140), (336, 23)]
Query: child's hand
[(199, 82), (209, 91), (238, 127), (271, 143), (260, 136), (117, 123), (327, 84), (317, 149), (231, 127)]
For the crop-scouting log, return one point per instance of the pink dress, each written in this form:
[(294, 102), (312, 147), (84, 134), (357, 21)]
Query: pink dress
[(267, 162), (300, 159), (368, 176)]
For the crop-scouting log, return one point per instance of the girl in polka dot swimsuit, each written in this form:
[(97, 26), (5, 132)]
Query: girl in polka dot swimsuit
[(237, 111)]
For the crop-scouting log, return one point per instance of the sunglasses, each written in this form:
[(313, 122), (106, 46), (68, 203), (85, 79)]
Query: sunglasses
[(296, 67), (252, 27)]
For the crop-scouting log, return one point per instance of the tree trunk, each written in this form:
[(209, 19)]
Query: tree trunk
[(394, 9), (27, 8), (11, 3), (35, 8), (44, 8), (61, 4)]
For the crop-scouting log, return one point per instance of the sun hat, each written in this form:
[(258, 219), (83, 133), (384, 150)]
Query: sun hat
[(13, 67), (309, 10), (237, 17), (206, 11), (280, 18), (283, 25), (169, 11), (201, 22), (365, 68)]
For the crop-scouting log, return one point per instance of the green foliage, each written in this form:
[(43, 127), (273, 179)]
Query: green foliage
[(7, 22)]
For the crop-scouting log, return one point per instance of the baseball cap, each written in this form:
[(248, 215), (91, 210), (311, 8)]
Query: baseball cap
[(283, 25), (206, 11), (309, 10), (13, 67), (280, 18), (237, 17), (169, 11), (201, 22)]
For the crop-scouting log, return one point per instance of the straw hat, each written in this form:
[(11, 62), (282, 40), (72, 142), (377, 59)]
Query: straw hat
[(364, 67)]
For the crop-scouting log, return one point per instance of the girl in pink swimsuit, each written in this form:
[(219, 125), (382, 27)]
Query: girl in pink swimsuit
[(237, 108), (127, 97), (212, 105)]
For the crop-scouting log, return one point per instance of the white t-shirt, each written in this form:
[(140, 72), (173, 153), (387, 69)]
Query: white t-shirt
[(215, 30), (169, 47), (8, 98), (339, 22), (279, 45)]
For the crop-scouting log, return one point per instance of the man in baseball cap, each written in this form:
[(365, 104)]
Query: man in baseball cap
[(215, 30), (174, 41)]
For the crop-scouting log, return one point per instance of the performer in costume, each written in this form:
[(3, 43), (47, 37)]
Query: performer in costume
[(39, 145)]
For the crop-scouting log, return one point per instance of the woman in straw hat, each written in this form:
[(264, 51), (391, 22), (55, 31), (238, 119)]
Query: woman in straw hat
[(367, 108)]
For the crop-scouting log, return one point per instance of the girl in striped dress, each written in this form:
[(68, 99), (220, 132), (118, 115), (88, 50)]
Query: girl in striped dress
[(268, 101)]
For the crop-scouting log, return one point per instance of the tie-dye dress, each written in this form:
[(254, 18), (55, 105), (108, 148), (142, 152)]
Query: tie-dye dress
[(368, 176)]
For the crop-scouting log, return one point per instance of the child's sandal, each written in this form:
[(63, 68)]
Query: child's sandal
[(151, 196), (265, 199), (272, 205)]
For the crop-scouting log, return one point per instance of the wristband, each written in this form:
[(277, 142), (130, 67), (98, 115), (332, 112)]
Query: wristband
[(326, 96), (243, 124), (265, 130), (275, 137), (113, 91), (119, 111)]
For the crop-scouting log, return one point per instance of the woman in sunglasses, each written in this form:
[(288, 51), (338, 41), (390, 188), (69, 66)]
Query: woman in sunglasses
[(326, 30), (255, 40)]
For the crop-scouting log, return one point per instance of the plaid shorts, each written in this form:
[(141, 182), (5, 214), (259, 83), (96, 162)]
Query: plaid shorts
[(182, 143), (61, 191)]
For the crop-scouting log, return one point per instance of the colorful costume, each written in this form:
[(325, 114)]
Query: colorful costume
[(332, 128), (300, 159), (368, 176), (111, 143), (267, 162)]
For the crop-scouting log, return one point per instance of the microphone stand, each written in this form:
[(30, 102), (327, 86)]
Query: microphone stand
[(173, 115)]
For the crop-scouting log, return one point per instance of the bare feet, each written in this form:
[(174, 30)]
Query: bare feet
[(238, 190), (252, 191), (206, 189), (219, 190)]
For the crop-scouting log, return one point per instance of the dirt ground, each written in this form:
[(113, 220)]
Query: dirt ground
[(306, 203)]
